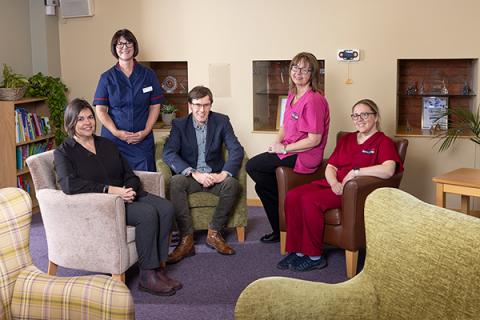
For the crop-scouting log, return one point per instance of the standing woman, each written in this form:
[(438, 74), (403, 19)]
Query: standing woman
[(299, 143), (127, 101)]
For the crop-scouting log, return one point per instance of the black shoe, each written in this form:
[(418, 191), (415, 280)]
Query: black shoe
[(307, 264), (270, 238), (285, 263)]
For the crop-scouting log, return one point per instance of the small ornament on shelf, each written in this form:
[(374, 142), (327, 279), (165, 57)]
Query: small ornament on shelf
[(421, 90), (412, 88), (444, 89), (408, 127), (466, 89)]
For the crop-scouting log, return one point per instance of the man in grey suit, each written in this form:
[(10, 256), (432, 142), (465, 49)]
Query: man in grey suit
[(194, 152)]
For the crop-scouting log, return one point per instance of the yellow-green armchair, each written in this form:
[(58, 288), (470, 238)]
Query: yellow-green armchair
[(423, 262), (203, 204), (28, 293)]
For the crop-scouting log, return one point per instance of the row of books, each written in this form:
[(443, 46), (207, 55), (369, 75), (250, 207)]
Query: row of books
[(29, 126), (24, 151), (23, 183)]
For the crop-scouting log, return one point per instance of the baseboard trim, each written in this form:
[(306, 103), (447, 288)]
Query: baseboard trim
[(254, 203)]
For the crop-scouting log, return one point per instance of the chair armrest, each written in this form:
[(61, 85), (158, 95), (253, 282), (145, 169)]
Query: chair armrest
[(152, 182), (288, 179), (354, 195), (40, 296), (164, 169), (85, 231), (283, 298)]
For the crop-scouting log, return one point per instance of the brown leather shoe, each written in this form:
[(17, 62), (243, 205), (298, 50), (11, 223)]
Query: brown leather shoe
[(184, 249), (162, 275), (215, 241), (149, 282)]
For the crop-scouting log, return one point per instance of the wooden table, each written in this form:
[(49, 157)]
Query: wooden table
[(463, 181)]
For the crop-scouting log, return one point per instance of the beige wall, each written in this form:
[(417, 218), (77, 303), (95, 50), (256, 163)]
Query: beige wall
[(15, 46), (237, 32)]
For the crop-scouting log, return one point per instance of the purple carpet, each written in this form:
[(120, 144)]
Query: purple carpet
[(212, 282)]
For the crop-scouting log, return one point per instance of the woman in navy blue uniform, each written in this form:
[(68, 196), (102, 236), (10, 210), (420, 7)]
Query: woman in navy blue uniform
[(127, 101)]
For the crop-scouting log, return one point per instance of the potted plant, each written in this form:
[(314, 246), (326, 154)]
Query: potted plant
[(465, 123), (168, 113), (55, 91), (14, 85)]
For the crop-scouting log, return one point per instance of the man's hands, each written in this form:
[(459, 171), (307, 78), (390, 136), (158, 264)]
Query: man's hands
[(209, 179)]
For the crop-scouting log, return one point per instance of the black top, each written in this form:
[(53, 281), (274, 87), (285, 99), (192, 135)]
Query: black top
[(81, 171)]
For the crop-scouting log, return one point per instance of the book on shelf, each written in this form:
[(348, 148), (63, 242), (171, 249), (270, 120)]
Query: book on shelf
[(26, 150), (30, 126), (24, 184)]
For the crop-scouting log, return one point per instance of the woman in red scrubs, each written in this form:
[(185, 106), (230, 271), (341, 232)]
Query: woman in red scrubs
[(127, 101), (366, 152)]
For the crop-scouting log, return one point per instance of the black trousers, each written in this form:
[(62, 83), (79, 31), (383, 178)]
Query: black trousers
[(152, 217), (261, 169)]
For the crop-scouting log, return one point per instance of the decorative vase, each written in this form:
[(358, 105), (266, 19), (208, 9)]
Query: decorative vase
[(167, 118)]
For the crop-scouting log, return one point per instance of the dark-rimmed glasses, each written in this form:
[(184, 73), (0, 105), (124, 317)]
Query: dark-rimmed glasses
[(199, 105), (363, 115), (121, 45), (301, 70)]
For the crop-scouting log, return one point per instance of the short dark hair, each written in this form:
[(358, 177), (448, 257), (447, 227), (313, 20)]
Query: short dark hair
[(128, 35), (199, 92), (72, 111)]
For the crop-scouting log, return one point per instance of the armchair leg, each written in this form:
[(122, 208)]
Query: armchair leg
[(351, 259), (241, 234), (119, 277), (52, 268), (283, 242)]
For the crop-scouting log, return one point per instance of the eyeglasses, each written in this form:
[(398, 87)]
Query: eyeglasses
[(363, 115), (199, 105), (305, 70), (121, 45)]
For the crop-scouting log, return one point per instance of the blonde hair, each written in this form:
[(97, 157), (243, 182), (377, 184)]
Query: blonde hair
[(373, 106)]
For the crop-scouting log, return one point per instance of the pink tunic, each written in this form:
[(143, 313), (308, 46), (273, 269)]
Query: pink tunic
[(310, 114)]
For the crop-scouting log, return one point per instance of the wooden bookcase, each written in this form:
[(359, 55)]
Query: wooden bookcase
[(8, 169), (419, 78), (270, 87), (173, 77)]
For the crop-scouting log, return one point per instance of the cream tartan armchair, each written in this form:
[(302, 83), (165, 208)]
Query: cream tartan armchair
[(28, 293)]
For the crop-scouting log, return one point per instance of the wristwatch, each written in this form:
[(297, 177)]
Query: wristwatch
[(356, 171)]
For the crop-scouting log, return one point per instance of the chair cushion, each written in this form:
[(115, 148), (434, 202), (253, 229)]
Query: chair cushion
[(333, 217), (202, 199), (40, 296)]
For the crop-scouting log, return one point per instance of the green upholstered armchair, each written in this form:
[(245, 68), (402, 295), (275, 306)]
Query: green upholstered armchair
[(422, 263), (28, 293), (203, 204)]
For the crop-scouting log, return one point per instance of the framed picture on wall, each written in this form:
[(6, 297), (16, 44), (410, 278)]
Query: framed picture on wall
[(433, 109), (282, 103)]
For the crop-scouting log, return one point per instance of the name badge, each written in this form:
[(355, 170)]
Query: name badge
[(147, 89), (368, 151)]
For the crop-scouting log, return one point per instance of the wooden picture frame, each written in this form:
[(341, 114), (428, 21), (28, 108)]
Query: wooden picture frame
[(281, 105)]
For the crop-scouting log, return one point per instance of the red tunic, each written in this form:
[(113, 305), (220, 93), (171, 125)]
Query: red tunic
[(305, 205)]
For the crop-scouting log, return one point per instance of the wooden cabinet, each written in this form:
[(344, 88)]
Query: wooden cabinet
[(13, 171), (270, 89), (452, 80), (173, 77)]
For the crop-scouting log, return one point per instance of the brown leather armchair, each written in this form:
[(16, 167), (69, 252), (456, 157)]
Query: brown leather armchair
[(344, 228)]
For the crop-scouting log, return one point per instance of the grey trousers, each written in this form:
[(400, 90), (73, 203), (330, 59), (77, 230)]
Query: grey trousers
[(181, 186), (152, 217)]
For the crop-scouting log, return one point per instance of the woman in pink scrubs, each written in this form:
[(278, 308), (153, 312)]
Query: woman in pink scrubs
[(301, 140), (366, 152)]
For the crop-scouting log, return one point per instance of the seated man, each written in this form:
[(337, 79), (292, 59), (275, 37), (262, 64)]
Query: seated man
[(194, 152)]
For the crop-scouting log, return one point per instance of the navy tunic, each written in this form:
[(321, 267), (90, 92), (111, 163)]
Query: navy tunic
[(128, 100)]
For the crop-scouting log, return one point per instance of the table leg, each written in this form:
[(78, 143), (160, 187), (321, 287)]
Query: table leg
[(465, 206), (440, 195)]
